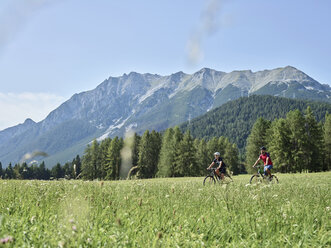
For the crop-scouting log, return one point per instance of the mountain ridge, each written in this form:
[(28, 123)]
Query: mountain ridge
[(148, 101)]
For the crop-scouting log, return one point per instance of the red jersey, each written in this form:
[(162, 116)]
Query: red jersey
[(264, 158)]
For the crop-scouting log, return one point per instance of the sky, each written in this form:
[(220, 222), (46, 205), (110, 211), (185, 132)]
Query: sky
[(52, 49)]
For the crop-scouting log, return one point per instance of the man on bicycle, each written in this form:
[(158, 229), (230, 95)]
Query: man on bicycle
[(220, 170), (265, 157)]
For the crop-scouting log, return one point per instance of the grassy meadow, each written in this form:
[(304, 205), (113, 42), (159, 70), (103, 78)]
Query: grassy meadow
[(176, 212)]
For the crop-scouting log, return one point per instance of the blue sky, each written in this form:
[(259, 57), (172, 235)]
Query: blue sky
[(50, 49)]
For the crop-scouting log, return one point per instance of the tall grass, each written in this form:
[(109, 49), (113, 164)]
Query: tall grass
[(167, 213)]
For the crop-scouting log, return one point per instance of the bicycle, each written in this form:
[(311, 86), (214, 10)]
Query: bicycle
[(259, 177), (212, 178)]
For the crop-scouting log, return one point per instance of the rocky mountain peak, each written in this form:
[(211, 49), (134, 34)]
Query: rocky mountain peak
[(29, 121)]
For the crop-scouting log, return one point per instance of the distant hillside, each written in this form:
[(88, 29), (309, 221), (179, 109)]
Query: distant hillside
[(236, 118)]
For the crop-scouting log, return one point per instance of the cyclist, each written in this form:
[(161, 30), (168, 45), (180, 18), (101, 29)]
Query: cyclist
[(265, 157), (220, 170)]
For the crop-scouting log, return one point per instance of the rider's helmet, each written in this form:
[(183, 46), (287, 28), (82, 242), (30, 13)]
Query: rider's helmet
[(263, 148), (217, 153)]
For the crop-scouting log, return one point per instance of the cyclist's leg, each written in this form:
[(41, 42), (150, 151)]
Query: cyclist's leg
[(218, 171), (222, 170), (267, 170)]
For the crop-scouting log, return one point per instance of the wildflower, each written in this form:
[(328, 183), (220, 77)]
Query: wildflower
[(167, 196), (247, 185), (275, 196), (6, 240), (74, 228), (71, 221), (327, 208)]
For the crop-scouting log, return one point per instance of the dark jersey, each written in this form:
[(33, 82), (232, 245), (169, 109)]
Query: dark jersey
[(218, 161)]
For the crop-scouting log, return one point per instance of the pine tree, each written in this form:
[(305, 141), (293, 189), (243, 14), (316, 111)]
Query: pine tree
[(91, 162), (256, 139), (231, 157), (314, 146), (135, 149), (77, 167), (202, 158), (175, 143), (156, 142), (327, 142), (186, 161), (279, 143), (149, 149), (167, 155), (1, 171), (213, 146), (298, 138), (57, 171), (103, 150), (17, 172), (222, 143), (95, 147), (67, 170), (87, 166), (114, 159), (9, 172), (26, 171), (43, 174)]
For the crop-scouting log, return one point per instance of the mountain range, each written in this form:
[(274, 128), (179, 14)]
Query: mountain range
[(146, 101)]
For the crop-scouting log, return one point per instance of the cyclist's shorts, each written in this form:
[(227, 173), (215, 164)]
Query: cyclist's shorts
[(267, 167), (223, 170)]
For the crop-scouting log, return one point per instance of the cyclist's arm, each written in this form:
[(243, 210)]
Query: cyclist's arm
[(221, 164), (267, 161), (211, 165), (257, 161)]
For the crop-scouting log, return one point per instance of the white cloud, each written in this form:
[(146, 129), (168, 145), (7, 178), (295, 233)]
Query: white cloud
[(16, 107)]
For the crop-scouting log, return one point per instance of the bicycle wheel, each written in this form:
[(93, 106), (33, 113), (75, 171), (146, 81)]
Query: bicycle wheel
[(255, 179), (274, 179), (209, 180)]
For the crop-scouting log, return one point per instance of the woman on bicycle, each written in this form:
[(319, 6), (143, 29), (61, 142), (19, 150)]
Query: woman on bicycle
[(265, 157), (220, 170)]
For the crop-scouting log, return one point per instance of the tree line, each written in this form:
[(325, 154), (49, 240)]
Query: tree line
[(69, 170), (235, 119), (155, 154), (296, 143)]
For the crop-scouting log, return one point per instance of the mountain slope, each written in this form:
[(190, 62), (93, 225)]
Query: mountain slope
[(146, 101), (236, 118)]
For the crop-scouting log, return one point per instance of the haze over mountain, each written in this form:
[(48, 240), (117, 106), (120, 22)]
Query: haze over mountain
[(146, 101)]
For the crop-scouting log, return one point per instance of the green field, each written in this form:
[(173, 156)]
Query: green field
[(176, 212)]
